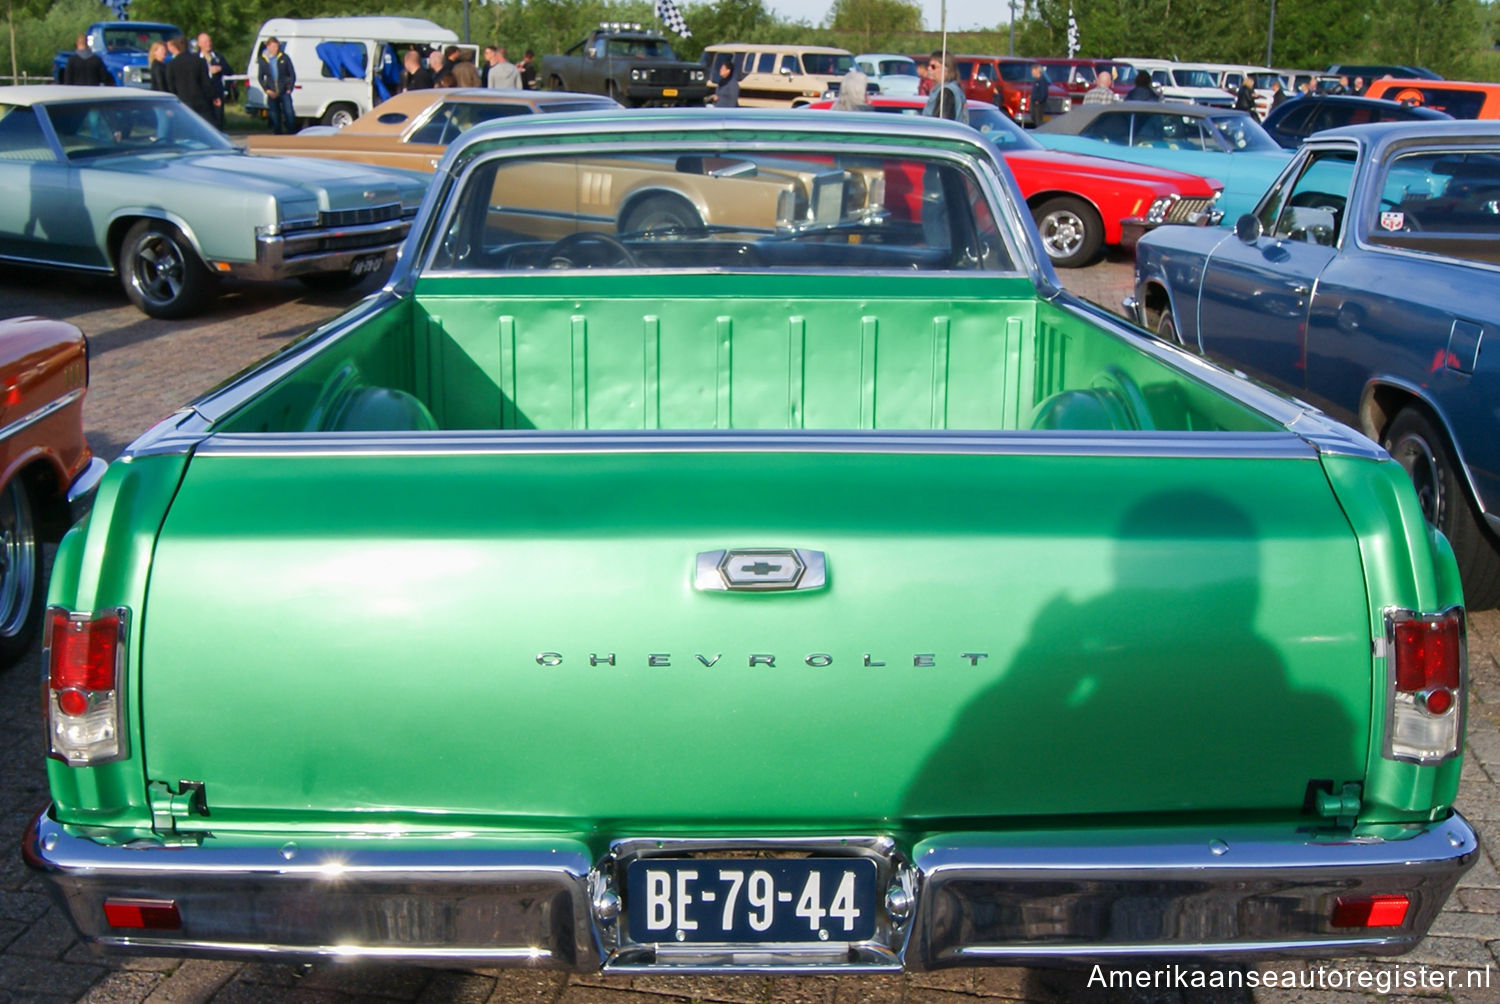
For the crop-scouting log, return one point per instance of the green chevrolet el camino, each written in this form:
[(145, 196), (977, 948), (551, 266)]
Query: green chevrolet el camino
[(134, 183), (823, 590)]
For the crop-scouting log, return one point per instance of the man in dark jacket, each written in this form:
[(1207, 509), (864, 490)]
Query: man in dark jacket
[(1142, 89), (273, 68), (216, 65), (1244, 98), (187, 77), (85, 68), (417, 76), (726, 85), (1041, 90)]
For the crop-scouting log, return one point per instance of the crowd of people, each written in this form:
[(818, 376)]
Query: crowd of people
[(196, 76), (453, 66)]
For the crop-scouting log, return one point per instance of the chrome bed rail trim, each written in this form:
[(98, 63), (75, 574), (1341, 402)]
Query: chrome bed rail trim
[(1215, 445)]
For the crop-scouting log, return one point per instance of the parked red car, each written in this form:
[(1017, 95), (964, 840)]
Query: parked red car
[(1005, 81), (1080, 203), (1077, 75), (47, 473)]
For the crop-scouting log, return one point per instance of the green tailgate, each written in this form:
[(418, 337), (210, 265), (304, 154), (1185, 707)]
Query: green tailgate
[(427, 638)]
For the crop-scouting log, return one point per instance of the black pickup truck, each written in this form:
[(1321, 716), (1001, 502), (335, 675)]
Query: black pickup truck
[(633, 66)]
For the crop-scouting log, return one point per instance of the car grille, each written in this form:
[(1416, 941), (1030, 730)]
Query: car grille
[(356, 217), (1188, 210), (666, 76)]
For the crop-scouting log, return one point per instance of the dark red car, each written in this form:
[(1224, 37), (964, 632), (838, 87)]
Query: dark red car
[(1005, 81), (1077, 75)]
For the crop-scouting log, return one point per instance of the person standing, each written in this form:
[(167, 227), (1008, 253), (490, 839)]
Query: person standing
[(1142, 89), (277, 79), (465, 73), (853, 92), (947, 99), (214, 61), (1041, 90), (1244, 98), (1103, 92), (503, 74), (187, 77), (527, 66), (1278, 93), (726, 85), (156, 65), (84, 68), (417, 76)]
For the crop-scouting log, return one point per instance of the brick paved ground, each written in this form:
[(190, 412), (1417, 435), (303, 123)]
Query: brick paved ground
[(144, 369)]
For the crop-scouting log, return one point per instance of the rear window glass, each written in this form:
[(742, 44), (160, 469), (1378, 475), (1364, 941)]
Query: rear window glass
[(1461, 103), (1435, 193), (825, 62), (720, 209), (1194, 78)]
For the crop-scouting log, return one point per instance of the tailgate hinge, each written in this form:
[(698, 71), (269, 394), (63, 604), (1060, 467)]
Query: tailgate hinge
[(189, 801), (1342, 806)]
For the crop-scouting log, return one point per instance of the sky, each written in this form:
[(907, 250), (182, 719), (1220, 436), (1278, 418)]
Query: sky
[(961, 13)]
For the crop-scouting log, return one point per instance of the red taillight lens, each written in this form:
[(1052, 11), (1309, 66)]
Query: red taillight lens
[(82, 652), (1370, 911), (85, 662), (143, 914), (1426, 657), (1428, 652)]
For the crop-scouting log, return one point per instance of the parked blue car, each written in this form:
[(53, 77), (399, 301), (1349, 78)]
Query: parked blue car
[(1292, 121), (1211, 142), (1366, 281)]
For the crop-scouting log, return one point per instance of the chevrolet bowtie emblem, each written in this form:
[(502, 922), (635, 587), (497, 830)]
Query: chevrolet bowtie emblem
[(760, 569)]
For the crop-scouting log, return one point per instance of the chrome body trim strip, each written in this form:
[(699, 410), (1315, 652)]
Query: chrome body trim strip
[(46, 263), (33, 417), (1216, 445), (991, 897), (83, 488)]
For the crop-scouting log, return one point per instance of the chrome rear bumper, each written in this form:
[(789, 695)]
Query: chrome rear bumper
[(957, 899)]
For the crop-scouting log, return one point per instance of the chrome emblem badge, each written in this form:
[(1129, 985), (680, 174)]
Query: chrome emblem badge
[(761, 569)]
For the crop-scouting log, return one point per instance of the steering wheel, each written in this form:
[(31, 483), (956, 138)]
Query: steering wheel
[(573, 251)]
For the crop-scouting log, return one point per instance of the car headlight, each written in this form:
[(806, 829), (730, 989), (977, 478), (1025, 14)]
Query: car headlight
[(699, 76), (1159, 209), (637, 75)]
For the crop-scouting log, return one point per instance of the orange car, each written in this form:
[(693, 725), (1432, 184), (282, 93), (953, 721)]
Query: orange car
[(412, 130), (1463, 99), (47, 473)]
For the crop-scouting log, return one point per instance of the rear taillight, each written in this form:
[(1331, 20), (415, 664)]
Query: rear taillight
[(1426, 654), (85, 657), (1370, 911)]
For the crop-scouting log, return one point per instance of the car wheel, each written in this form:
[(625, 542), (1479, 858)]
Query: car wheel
[(20, 574), (554, 83), (339, 115), (1071, 231), (1166, 328), (1419, 446), (659, 213), (160, 270)]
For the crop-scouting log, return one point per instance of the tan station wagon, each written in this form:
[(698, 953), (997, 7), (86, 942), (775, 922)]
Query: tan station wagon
[(412, 130), (781, 76)]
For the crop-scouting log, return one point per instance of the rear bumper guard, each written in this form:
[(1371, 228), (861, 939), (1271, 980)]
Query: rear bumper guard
[(958, 900)]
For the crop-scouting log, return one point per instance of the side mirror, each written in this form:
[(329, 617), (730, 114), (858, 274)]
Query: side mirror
[(1247, 228)]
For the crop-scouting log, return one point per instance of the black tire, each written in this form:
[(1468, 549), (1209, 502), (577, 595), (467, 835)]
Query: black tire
[(659, 213), (1071, 231), (1421, 447), (340, 115), (1166, 328), (161, 272), (21, 594)]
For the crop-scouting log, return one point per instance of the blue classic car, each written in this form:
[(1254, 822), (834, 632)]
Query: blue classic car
[(1365, 281), (1212, 142)]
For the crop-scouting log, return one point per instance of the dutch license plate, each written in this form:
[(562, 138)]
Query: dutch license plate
[(669, 92), (751, 901), (365, 264)]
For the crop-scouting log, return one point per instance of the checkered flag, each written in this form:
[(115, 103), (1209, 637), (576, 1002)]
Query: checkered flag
[(1072, 31), (671, 18)]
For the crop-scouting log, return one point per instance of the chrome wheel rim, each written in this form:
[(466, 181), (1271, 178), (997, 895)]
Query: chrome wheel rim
[(17, 559), (157, 270), (340, 118), (1063, 232)]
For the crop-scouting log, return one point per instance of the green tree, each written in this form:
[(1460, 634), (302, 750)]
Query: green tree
[(37, 30), (1443, 35), (874, 21)]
